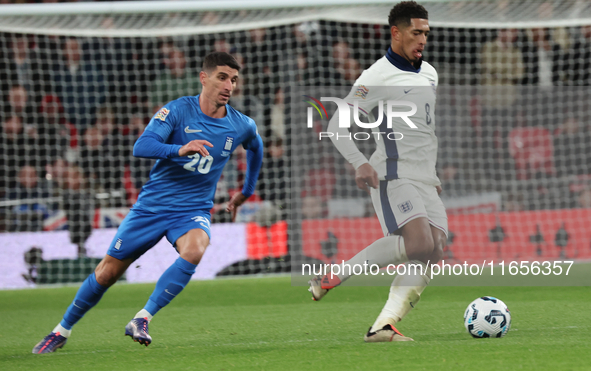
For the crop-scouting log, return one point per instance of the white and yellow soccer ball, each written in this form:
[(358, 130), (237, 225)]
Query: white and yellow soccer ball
[(487, 317)]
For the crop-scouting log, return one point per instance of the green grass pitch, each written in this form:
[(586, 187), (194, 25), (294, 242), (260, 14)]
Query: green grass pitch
[(267, 324)]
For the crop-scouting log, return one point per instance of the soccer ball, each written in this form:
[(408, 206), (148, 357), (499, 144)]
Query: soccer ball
[(487, 317)]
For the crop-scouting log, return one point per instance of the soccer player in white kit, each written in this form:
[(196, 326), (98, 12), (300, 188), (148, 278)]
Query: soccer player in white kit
[(400, 175)]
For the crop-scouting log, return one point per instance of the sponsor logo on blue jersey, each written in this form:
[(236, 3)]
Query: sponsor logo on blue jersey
[(188, 130)]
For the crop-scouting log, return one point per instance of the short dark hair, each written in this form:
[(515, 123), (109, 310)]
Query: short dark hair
[(212, 60), (403, 12)]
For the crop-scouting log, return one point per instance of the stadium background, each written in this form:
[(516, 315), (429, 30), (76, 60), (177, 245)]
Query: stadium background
[(78, 89)]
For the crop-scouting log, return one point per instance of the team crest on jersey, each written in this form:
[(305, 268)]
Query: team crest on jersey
[(228, 147), (432, 82), (361, 92), (405, 207), (161, 115)]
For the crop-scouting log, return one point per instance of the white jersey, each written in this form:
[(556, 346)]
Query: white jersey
[(413, 157)]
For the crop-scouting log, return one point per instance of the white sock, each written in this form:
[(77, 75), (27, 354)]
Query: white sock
[(405, 293), (63, 332), (144, 314), (385, 251)]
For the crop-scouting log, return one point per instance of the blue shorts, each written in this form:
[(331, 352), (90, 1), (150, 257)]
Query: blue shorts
[(141, 230)]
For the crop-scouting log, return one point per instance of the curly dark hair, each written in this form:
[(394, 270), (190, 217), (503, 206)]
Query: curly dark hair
[(403, 12)]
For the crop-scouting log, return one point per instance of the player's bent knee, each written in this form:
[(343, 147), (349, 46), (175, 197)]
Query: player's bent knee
[(192, 245), (109, 271), (436, 255), (425, 244), (193, 255), (106, 276), (420, 248), (439, 242)]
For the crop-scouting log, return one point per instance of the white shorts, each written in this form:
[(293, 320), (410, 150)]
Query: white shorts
[(399, 201)]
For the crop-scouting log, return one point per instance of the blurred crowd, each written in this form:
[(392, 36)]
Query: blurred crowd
[(527, 120), (73, 107)]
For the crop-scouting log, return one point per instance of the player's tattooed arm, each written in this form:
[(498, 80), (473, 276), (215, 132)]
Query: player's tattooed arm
[(195, 146)]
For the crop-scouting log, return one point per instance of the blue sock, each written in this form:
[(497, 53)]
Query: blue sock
[(170, 284), (87, 296)]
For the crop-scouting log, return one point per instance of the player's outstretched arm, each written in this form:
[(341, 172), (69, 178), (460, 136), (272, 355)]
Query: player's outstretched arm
[(254, 161), (151, 145)]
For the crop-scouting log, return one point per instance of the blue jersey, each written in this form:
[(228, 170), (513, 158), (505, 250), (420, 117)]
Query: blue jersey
[(189, 183)]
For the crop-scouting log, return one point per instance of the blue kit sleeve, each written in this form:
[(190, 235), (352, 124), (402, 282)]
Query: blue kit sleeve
[(254, 161), (151, 145)]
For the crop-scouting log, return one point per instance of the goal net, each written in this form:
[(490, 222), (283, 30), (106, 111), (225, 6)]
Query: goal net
[(81, 81)]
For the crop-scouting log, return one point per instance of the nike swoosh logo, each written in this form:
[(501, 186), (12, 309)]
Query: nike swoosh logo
[(411, 304), (76, 306), (168, 292), (191, 131), (405, 92)]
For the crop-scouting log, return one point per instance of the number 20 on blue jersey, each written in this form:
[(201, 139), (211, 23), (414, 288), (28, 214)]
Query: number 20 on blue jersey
[(201, 164)]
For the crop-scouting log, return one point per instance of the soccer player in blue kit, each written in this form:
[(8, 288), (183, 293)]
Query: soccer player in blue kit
[(192, 138)]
